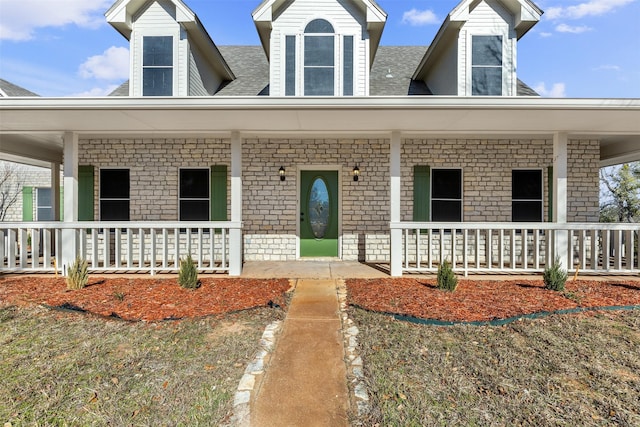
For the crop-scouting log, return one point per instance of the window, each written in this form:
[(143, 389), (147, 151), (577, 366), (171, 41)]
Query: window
[(526, 194), (114, 195), (486, 65), (290, 66), (44, 204), (347, 72), (446, 195), (157, 66), (319, 59), (194, 195)]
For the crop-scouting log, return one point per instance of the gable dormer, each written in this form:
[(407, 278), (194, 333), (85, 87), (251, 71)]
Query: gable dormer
[(475, 51), (319, 47), (171, 52)]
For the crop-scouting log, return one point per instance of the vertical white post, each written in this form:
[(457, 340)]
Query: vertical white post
[(560, 172), (70, 199), (235, 234), (394, 199), (55, 190)]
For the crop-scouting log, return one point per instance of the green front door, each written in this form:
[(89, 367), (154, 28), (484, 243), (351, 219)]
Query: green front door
[(319, 213)]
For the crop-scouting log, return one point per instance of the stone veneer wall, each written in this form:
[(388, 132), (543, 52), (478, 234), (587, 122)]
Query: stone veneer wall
[(25, 176), (154, 166), (486, 172), (270, 206)]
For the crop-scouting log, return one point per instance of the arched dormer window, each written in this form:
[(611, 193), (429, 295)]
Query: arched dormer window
[(319, 58), (318, 62)]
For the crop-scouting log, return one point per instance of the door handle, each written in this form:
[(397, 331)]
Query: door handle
[(301, 216)]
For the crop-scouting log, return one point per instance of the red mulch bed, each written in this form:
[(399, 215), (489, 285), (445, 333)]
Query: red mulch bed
[(144, 298), (153, 299), (485, 300)]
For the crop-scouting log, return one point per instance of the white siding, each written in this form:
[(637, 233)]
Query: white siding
[(488, 18), (346, 20), (203, 81), (158, 19), (443, 75)]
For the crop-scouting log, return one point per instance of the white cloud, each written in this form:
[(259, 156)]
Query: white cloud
[(113, 64), (419, 17), (20, 18), (608, 67), (546, 34), (96, 92), (556, 91), (564, 28), (588, 8)]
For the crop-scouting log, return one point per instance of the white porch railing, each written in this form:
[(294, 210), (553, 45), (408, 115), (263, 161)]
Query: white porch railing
[(517, 247), (111, 247)]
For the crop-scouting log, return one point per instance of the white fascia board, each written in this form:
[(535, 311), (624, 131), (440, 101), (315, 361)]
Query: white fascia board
[(263, 12), (374, 12)]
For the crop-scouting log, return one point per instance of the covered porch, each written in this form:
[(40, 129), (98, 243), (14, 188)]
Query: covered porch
[(47, 132)]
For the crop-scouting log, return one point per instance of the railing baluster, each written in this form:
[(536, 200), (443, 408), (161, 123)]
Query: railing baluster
[(465, 246), (593, 262), (176, 260), (3, 247), (129, 247), (524, 233), (200, 263), (489, 249), (141, 261), (35, 248), (118, 247), (429, 248), (152, 255), (165, 248), (617, 254), (418, 249), (224, 264)]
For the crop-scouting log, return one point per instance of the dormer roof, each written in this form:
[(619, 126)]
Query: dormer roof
[(264, 14), (526, 14), (121, 16)]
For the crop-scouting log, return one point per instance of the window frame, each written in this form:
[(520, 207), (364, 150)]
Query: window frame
[(432, 198), (158, 67), (501, 67), (293, 63), (335, 56), (101, 198), (541, 200), (207, 170), (38, 206)]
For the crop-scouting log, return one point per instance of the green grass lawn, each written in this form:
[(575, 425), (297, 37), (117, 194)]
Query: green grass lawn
[(60, 368), (565, 370)]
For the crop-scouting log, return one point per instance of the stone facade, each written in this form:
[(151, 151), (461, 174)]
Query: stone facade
[(486, 171), (23, 176), (271, 206)]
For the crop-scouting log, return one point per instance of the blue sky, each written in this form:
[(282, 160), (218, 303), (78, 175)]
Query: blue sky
[(580, 48)]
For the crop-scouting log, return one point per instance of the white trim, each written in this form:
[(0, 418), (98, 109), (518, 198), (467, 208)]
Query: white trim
[(179, 199), (100, 169), (431, 198), (299, 169), (541, 200)]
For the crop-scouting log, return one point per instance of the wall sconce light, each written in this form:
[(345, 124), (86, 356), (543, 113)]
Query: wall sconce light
[(282, 173), (356, 173)]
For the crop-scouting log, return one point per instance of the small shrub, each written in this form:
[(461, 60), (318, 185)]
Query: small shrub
[(119, 296), (78, 274), (447, 279), (188, 274), (554, 276)]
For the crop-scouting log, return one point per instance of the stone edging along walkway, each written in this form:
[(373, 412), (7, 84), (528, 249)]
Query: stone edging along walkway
[(355, 374)]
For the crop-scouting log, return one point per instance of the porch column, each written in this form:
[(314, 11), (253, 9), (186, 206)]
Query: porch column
[(70, 152), (55, 190), (235, 235), (394, 201), (561, 241)]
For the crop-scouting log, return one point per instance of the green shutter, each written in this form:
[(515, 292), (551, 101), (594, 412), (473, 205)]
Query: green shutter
[(85, 193), (218, 193), (421, 192), (550, 192), (27, 203)]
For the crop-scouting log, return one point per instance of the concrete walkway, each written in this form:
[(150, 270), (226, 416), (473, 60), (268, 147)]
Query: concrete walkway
[(305, 382)]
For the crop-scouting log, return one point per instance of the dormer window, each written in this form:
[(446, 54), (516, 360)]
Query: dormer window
[(486, 66), (319, 59), (157, 66), (326, 62)]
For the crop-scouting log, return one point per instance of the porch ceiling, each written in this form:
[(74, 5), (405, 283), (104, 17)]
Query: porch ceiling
[(32, 129)]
